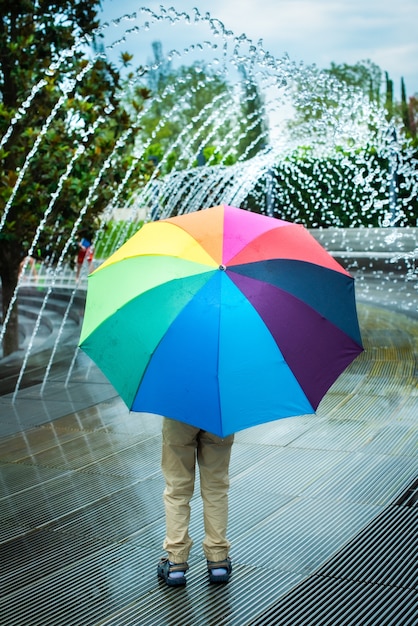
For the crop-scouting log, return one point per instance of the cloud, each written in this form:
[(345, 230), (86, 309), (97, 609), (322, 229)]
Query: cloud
[(312, 31), (322, 31)]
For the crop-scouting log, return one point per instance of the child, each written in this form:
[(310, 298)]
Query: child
[(85, 251), (183, 445)]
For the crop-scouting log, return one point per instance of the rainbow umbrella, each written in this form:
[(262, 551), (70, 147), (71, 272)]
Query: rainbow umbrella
[(222, 319)]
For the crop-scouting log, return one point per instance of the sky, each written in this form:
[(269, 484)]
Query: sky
[(309, 31)]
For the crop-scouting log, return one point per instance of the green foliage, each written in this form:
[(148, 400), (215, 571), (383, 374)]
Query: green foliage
[(177, 118), (332, 191), (364, 76), (71, 140), (73, 144), (253, 124), (413, 119), (113, 235), (195, 115), (210, 154)]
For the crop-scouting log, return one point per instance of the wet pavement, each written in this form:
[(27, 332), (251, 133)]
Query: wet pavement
[(323, 509)]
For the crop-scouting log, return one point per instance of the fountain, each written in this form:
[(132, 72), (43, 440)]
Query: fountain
[(81, 507), (340, 167)]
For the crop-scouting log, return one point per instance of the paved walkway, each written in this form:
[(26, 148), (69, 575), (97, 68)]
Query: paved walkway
[(313, 499)]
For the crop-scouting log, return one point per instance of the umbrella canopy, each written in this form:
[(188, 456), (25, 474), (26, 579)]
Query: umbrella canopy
[(222, 319)]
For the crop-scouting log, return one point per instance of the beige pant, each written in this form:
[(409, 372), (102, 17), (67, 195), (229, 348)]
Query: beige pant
[(182, 446)]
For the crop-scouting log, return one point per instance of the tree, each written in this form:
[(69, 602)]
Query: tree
[(364, 75), (254, 135), (183, 117), (389, 96), (413, 116), (368, 77), (197, 116), (408, 112), (365, 78), (61, 121)]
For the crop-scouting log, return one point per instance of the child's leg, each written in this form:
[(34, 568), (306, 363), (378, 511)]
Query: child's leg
[(213, 457), (178, 466)]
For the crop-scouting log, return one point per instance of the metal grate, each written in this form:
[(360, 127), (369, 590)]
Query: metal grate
[(409, 497), (372, 580), (383, 553), (81, 511), (329, 602)]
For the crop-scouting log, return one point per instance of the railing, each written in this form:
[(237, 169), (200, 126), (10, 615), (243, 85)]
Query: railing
[(42, 274), (394, 248)]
